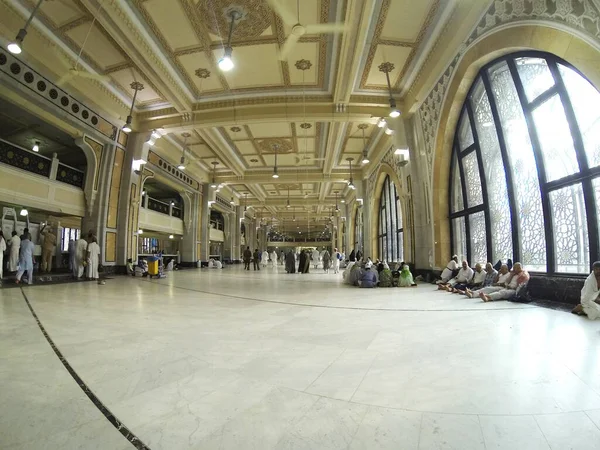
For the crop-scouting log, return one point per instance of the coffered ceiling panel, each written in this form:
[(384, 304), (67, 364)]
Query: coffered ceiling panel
[(277, 129), (308, 51), (172, 22), (246, 147), (197, 68), (238, 132), (255, 66), (123, 78), (384, 53), (405, 19), (62, 12), (202, 150), (98, 46)]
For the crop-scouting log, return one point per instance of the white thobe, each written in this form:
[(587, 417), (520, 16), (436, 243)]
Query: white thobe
[(265, 258), (15, 245), (449, 270), (274, 258), (335, 262), (93, 250), (315, 257), (464, 276), (479, 277), (2, 250), (589, 295), (80, 257), (26, 260)]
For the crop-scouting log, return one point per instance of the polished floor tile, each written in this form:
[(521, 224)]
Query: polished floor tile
[(227, 359)]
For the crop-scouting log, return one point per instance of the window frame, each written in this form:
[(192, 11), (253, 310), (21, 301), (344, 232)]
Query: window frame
[(390, 209), (585, 175)]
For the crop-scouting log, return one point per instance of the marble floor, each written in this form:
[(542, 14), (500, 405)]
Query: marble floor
[(227, 359)]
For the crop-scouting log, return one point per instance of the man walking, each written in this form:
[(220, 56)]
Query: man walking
[(247, 256), (256, 259)]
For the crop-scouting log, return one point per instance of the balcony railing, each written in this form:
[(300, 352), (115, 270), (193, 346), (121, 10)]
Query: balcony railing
[(29, 161), (162, 207)]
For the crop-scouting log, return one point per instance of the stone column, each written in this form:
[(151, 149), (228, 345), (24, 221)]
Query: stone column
[(368, 239), (191, 205), (204, 226)]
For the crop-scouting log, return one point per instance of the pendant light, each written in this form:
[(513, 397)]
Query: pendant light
[(351, 181), (136, 86), (288, 199), (214, 183), (337, 209), (363, 127), (226, 63), (16, 47), (181, 165), (231, 202), (386, 68), (36, 146), (275, 174)]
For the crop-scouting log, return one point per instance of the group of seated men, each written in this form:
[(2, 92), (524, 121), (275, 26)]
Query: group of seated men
[(489, 284)]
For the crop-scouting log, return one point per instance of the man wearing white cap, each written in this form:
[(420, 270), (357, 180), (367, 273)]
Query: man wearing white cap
[(368, 278)]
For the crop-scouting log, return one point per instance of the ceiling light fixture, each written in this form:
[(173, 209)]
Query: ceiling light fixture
[(16, 47), (386, 68), (214, 183), (363, 127), (288, 200), (381, 123), (402, 152), (143, 192), (389, 131), (351, 181), (337, 209), (171, 236), (155, 135), (24, 212), (275, 174), (226, 63), (36, 146), (231, 202), (245, 201), (140, 231), (181, 165), (136, 86)]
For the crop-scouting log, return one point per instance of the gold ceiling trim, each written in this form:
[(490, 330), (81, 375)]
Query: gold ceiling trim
[(378, 41)]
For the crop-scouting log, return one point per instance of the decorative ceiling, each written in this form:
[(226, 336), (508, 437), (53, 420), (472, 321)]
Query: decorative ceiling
[(306, 104)]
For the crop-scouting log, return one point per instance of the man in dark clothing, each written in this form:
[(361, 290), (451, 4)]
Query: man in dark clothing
[(247, 257), (290, 263), (256, 258)]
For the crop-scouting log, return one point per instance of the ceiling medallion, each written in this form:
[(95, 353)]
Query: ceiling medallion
[(236, 129), (270, 144), (303, 64), (305, 125), (386, 67), (202, 73), (363, 126), (186, 135), (137, 86), (254, 160), (255, 17)]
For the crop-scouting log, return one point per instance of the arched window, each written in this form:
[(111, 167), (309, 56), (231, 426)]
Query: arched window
[(525, 170), (390, 223)]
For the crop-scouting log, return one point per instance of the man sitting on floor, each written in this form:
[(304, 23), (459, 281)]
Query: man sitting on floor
[(464, 276), (476, 282), (449, 271), (368, 278), (518, 279), (590, 303), (499, 282)]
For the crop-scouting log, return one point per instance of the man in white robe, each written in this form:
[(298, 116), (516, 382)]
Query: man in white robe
[(15, 246), (26, 260), (464, 276), (315, 257), (80, 257), (335, 260), (264, 258), (590, 303), (93, 255), (451, 267), (274, 258)]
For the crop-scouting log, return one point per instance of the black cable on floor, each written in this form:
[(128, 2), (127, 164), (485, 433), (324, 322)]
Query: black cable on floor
[(126, 432)]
